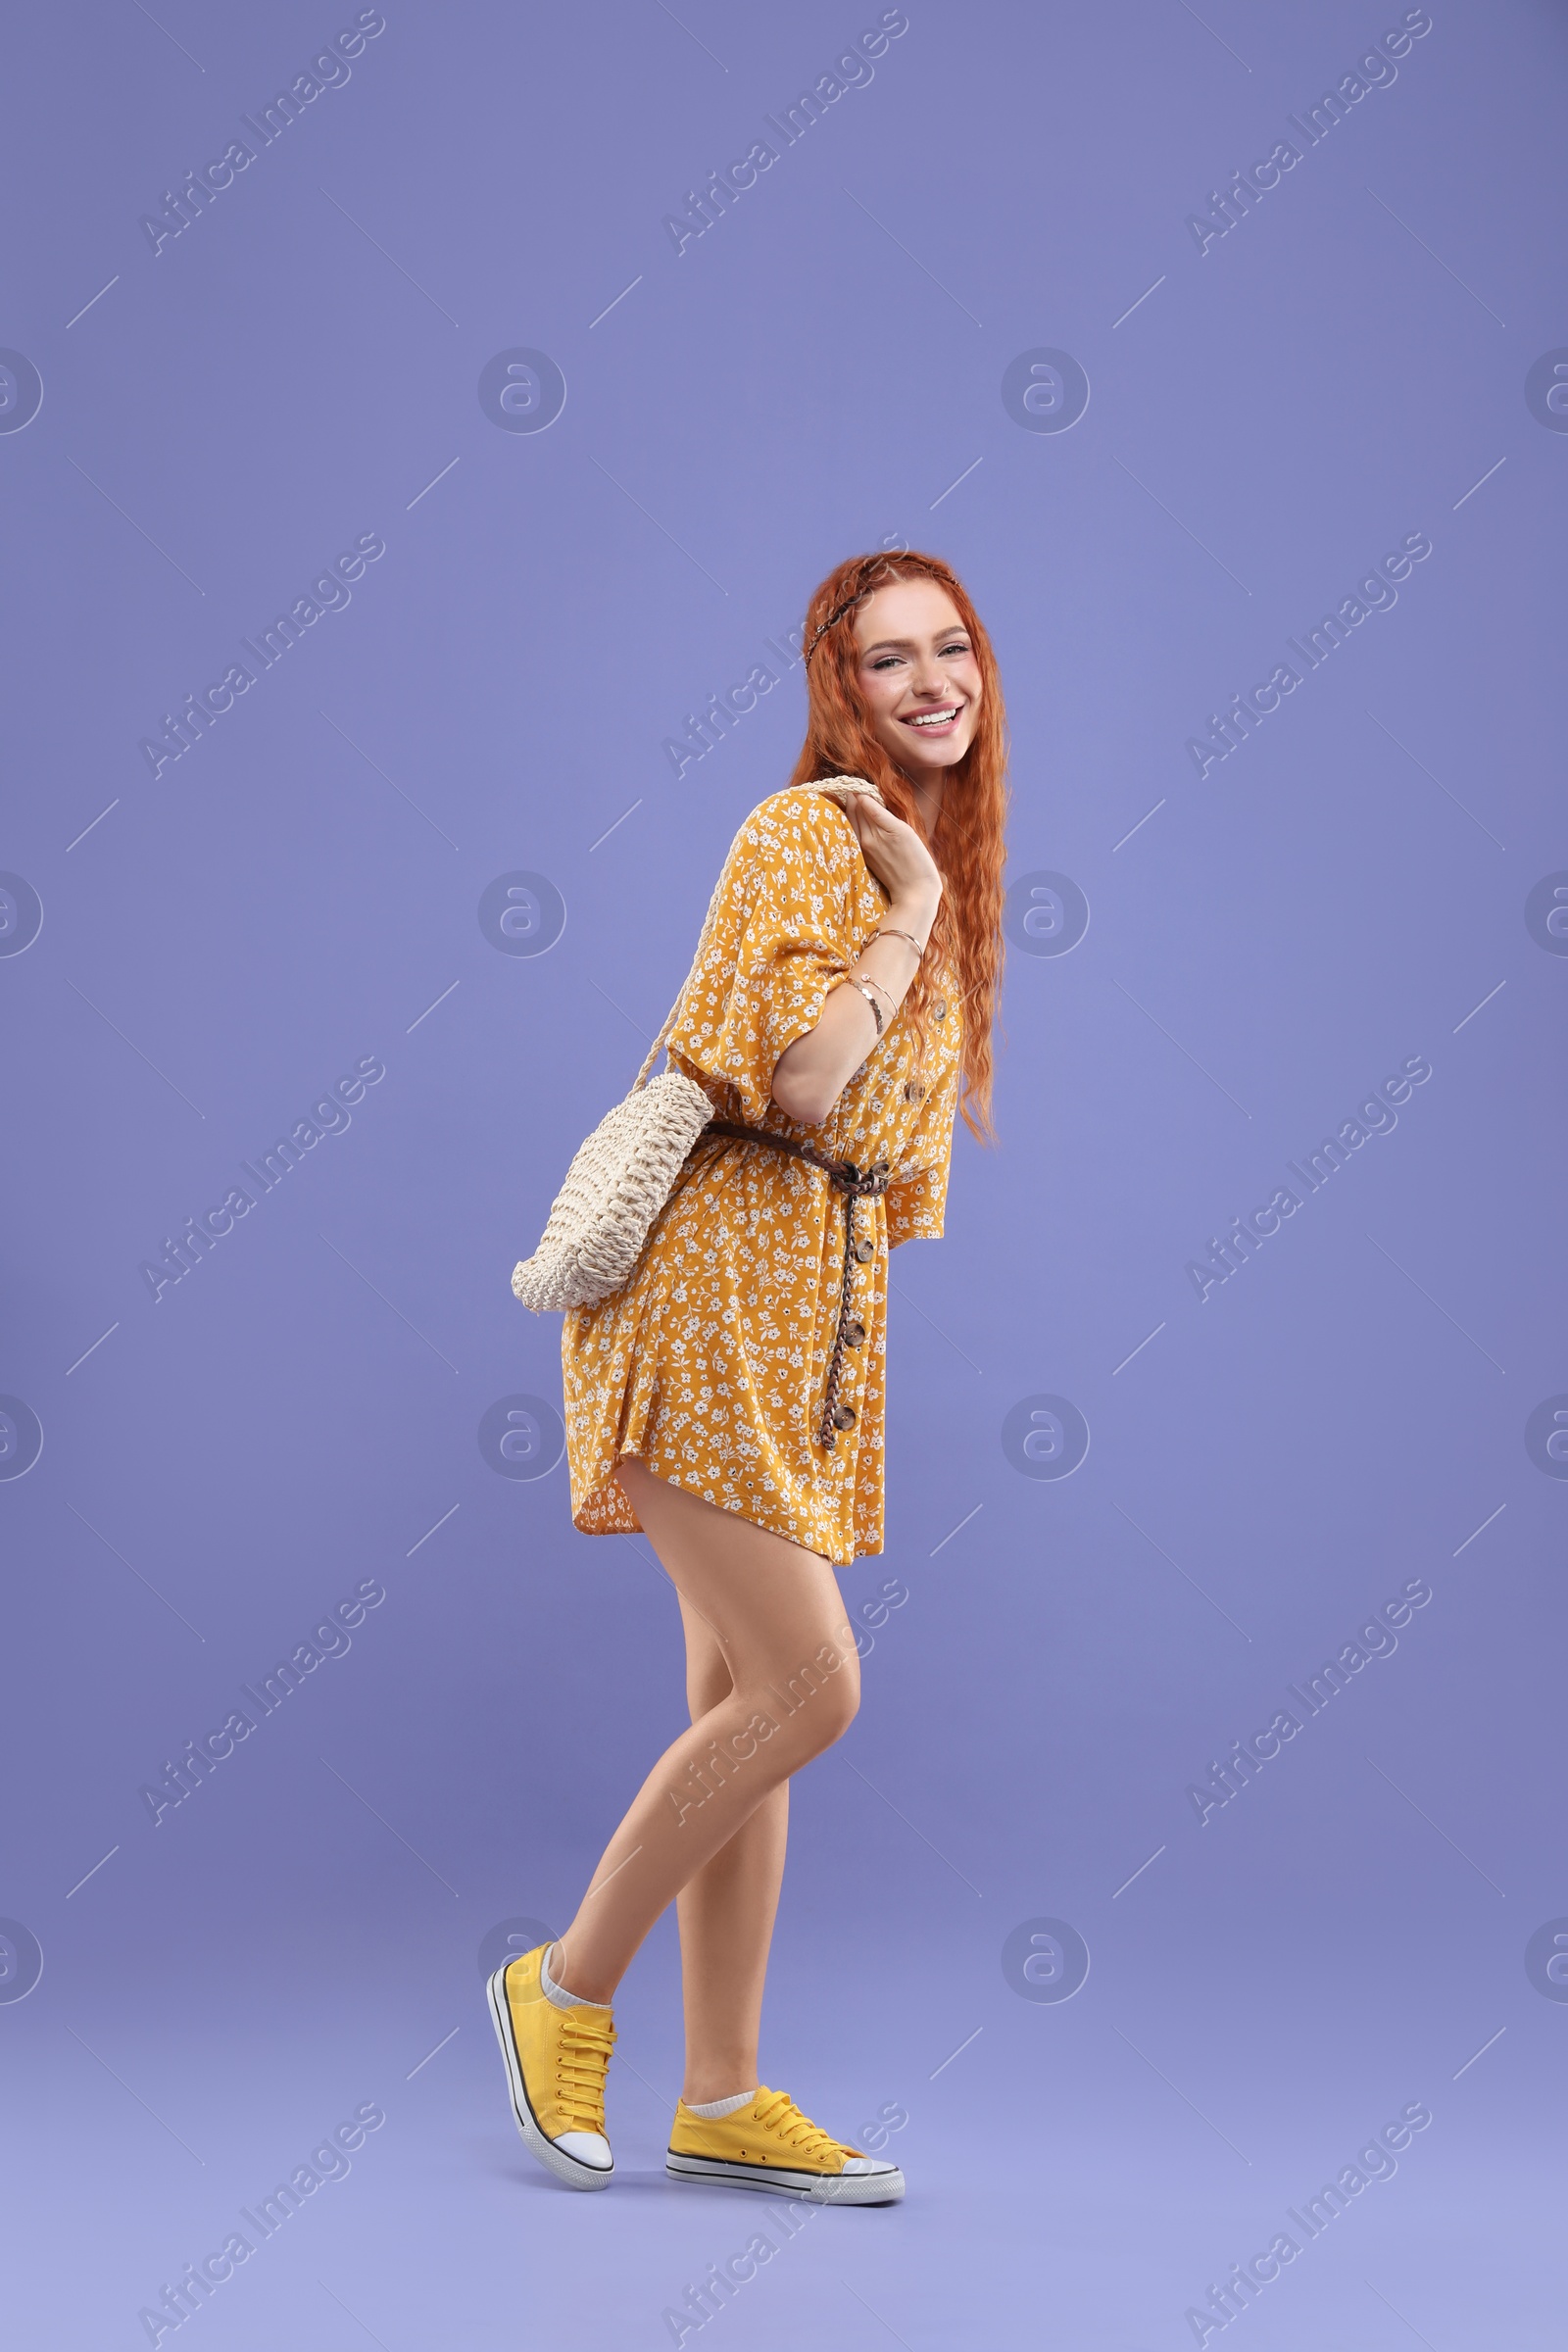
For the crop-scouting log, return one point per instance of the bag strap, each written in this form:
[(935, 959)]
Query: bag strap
[(697, 958), (828, 784)]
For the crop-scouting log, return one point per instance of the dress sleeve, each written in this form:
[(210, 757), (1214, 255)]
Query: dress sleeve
[(916, 1203), (781, 942)]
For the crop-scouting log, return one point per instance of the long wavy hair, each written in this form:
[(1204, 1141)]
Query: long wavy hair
[(968, 846)]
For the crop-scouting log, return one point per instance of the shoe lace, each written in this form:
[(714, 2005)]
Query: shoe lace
[(582, 2060), (777, 2113)]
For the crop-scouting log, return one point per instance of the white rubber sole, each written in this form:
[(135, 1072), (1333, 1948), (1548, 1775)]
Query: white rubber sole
[(555, 2160), (818, 2188)]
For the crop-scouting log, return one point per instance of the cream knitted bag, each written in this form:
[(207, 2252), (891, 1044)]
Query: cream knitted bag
[(623, 1174)]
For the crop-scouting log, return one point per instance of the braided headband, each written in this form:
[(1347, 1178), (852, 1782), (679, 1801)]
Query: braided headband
[(879, 563)]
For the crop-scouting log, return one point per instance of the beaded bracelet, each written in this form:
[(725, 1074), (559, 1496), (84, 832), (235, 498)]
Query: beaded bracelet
[(866, 987)]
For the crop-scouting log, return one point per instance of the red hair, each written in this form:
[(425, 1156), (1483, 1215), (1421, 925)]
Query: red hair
[(968, 845)]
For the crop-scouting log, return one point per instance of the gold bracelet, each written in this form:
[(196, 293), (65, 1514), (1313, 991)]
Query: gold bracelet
[(892, 931), (865, 987), (886, 992)]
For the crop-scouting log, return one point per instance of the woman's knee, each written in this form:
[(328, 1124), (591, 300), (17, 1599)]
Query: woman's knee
[(842, 1698), (709, 1678), (815, 1703), (708, 1685)]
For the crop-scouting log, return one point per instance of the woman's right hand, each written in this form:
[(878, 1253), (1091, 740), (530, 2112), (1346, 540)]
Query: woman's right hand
[(897, 855)]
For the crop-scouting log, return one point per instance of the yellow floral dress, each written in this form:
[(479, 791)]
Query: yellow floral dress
[(711, 1362)]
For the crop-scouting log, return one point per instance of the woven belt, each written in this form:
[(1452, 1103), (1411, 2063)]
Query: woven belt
[(856, 1184)]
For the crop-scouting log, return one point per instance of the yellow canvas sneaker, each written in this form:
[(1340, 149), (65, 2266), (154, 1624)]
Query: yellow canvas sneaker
[(769, 2144), (556, 2060)]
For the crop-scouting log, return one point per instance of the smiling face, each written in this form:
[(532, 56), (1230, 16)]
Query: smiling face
[(918, 674)]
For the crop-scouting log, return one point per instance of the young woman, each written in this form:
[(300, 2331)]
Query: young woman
[(728, 1399)]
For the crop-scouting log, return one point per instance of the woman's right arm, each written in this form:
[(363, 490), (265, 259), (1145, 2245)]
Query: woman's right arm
[(812, 1073)]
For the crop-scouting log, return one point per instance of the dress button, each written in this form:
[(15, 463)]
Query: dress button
[(865, 1249), (853, 1334), (913, 1089), (940, 1008), (843, 1416)]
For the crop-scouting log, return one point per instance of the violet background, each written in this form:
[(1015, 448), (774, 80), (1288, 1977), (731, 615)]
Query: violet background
[(807, 380)]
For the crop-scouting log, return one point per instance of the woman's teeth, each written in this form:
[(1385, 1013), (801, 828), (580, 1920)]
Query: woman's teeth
[(933, 718)]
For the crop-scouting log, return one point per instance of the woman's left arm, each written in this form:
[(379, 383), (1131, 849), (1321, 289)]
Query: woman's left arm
[(812, 1072), (815, 1069)]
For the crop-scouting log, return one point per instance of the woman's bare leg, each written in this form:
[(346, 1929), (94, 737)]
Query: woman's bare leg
[(726, 1912), (777, 1623)]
